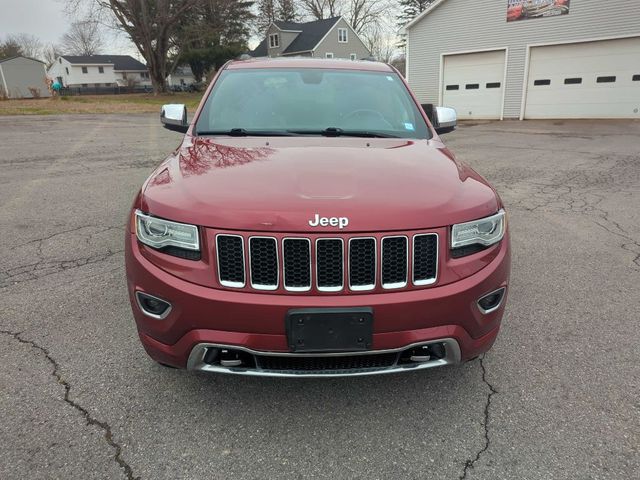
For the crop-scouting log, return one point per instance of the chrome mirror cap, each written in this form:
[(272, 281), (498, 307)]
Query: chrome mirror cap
[(174, 117)]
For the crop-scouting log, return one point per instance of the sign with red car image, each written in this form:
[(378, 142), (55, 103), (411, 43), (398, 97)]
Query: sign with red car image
[(525, 9)]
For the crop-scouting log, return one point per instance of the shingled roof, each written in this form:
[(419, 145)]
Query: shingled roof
[(309, 37), (119, 62)]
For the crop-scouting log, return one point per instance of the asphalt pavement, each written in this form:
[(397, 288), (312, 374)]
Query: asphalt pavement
[(556, 398)]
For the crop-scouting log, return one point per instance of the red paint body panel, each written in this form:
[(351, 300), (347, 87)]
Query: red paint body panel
[(274, 186)]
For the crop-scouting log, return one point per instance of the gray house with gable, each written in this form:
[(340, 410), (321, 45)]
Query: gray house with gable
[(328, 38)]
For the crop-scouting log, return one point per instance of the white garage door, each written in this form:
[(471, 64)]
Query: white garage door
[(585, 80), (473, 84)]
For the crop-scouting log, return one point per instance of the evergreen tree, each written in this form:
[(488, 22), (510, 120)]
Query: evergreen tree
[(410, 9)]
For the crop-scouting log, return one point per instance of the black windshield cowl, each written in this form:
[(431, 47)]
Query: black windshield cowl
[(241, 132), (339, 132)]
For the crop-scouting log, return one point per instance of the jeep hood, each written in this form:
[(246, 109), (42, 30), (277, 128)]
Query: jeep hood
[(280, 184)]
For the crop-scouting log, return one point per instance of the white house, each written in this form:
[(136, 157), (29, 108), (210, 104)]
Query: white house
[(528, 58), (99, 71), (181, 76)]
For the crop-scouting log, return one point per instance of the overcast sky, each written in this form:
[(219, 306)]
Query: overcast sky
[(47, 20)]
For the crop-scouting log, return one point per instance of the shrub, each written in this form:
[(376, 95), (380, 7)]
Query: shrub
[(35, 92)]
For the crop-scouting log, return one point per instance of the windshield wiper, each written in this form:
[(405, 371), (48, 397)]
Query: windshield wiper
[(338, 132), (242, 132)]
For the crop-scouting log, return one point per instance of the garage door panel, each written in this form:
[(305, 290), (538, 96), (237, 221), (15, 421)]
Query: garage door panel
[(585, 80), (473, 84)]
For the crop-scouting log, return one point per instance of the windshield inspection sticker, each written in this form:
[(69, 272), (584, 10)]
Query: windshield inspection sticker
[(409, 126)]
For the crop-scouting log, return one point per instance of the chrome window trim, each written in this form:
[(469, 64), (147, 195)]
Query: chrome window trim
[(393, 286), (196, 360), (164, 315), (430, 281), (485, 312), (257, 286), (363, 288), (226, 283), (330, 289), (284, 270)]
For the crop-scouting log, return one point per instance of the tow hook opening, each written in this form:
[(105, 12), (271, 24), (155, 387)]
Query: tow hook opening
[(491, 301), (424, 353), (229, 358)]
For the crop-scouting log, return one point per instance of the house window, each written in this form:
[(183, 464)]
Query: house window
[(60, 60), (274, 40), (353, 56), (343, 35), (144, 74), (85, 70), (329, 55), (85, 85), (100, 69), (66, 69)]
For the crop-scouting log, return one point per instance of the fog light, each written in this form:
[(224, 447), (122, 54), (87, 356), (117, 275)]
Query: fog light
[(491, 301), (153, 307)]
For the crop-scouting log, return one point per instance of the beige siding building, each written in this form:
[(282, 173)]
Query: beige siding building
[(528, 58), (21, 77), (328, 38)]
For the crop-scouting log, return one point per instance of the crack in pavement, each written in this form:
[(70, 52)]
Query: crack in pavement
[(108, 433), (470, 463)]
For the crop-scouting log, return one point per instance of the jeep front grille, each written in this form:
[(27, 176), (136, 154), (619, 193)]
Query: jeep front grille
[(328, 264)]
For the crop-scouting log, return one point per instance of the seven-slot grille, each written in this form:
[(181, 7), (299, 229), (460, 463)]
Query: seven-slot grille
[(330, 263)]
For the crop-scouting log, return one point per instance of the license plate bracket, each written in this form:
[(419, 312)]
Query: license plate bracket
[(312, 330)]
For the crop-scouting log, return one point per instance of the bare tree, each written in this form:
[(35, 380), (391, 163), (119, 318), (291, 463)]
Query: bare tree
[(83, 38), (150, 25), (321, 9), (381, 44), (363, 14), (28, 45), (50, 53)]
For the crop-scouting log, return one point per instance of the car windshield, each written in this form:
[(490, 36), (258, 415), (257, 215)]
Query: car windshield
[(331, 102)]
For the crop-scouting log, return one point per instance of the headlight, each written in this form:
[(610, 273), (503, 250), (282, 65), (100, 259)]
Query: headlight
[(485, 231), (159, 233)]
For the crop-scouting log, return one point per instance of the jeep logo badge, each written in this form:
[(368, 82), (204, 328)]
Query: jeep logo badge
[(340, 222)]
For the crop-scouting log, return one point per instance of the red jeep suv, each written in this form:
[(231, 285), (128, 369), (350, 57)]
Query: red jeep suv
[(312, 223)]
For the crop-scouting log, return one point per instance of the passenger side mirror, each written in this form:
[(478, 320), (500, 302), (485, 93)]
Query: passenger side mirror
[(446, 120), (174, 117)]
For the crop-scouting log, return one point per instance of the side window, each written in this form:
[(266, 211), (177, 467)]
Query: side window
[(353, 56), (343, 35), (274, 40), (85, 70), (100, 69), (329, 55), (66, 69)]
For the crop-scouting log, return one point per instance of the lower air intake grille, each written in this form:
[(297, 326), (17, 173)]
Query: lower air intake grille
[(231, 260), (330, 264), (425, 259), (319, 364), (394, 262)]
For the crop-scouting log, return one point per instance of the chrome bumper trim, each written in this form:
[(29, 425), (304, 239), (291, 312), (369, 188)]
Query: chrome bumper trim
[(196, 361)]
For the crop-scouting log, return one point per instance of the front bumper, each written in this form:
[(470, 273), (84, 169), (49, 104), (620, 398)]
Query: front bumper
[(203, 317)]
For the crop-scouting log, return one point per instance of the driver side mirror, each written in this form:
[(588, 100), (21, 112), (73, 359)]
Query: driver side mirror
[(443, 119), (174, 117)]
